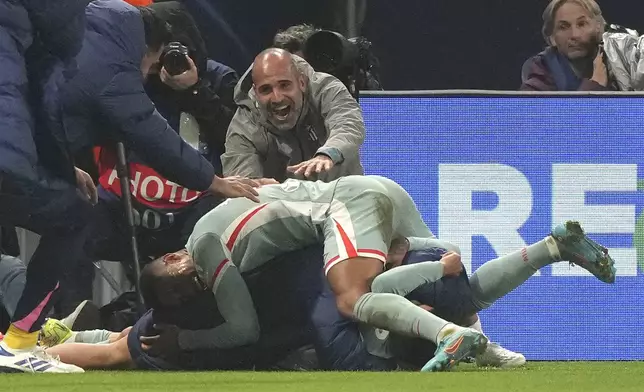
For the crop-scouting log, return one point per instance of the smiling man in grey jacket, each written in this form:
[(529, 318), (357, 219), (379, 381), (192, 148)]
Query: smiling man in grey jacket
[(292, 122)]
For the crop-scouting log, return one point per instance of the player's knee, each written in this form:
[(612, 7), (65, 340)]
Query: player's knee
[(119, 355), (346, 302), (383, 284), (123, 334)]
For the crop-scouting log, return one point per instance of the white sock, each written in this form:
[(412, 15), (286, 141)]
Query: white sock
[(96, 336)]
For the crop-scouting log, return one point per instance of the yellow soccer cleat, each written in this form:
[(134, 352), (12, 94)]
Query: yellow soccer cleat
[(53, 333)]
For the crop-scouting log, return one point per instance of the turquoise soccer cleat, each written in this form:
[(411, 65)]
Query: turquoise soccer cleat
[(578, 249), (456, 347)]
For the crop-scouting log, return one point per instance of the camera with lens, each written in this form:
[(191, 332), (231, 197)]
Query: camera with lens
[(174, 58), (350, 60)]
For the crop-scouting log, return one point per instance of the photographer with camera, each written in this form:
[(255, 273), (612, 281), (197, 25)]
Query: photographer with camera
[(350, 60), (293, 122), (191, 86)]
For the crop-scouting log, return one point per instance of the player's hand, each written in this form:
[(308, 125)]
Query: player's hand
[(397, 252), (452, 265), (86, 185), (164, 344), (182, 81), (317, 164), (231, 187), (600, 73)]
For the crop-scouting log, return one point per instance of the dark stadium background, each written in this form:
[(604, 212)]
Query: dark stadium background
[(422, 44)]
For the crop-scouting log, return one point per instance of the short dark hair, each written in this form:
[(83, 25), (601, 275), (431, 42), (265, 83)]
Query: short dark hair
[(294, 38), (184, 30), (148, 284), (157, 31)]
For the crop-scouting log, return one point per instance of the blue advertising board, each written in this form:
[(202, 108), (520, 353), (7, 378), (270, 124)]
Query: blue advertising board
[(495, 173)]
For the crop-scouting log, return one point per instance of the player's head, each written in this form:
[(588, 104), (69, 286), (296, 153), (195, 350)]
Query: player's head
[(279, 87), (170, 280)]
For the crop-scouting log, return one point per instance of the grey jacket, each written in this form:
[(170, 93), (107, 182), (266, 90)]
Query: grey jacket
[(331, 124), (625, 55)]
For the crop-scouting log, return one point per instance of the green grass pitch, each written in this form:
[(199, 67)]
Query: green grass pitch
[(537, 377)]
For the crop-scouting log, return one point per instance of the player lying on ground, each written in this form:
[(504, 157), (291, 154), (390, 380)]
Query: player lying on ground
[(356, 218), (337, 344), (280, 293), (285, 295), (490, 282), (300, 279)]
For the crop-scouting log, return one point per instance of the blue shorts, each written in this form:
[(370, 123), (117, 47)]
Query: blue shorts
[(450, 297), (231, 359), (141, 359)]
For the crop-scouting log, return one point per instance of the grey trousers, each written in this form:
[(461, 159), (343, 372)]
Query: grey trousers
[(13, 275)]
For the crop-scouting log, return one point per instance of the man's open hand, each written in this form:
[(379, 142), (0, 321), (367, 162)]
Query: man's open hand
[(317, 165), (231, 187)]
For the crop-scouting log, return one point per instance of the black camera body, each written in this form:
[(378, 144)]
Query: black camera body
[(350, 60), (174, 58)]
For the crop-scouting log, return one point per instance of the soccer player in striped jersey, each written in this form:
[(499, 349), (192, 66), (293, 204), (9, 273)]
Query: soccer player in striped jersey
[(356, 218)]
